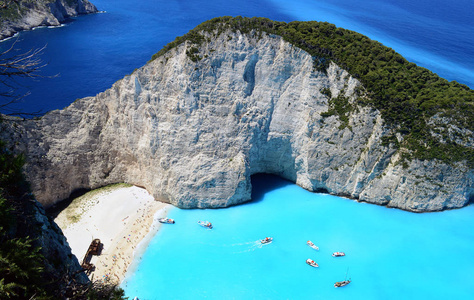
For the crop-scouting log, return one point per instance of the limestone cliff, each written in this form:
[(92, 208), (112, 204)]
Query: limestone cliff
[(59, 260), (21, 15), (194, 124)]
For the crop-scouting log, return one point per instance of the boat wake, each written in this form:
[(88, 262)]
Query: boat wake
[(250, 246), (243, 244)]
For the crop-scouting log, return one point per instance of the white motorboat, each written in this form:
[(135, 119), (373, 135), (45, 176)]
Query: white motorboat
[(166, 221), (309, 243), (312, 263), (206, 224)]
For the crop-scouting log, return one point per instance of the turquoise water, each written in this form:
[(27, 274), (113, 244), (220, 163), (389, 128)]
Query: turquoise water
[(390, 254)]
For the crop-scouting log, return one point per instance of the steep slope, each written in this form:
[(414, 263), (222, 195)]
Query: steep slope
[(35, 258), (19, 15), (219, 105)]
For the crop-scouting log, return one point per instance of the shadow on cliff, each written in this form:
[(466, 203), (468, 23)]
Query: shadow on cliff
[(264, 183), (54, 210)]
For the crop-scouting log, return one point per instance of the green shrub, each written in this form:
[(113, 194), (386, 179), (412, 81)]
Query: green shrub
[(22, 264), (405, 94)]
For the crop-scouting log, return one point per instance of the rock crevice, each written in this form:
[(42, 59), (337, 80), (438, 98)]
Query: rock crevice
[(193, 131), (25, 15)]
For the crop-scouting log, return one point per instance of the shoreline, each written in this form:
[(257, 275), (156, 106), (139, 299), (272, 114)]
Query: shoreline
[(30, 27), (124, 218), (142, 246)]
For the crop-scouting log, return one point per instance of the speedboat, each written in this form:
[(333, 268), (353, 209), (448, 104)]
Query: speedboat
[(206, 224), (312, 263), (309, 243), (266, 240), (166, 221), (337, 254), (341, 283)]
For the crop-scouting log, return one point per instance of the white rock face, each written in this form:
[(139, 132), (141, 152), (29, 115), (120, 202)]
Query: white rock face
[(40, 13), (192, 133)]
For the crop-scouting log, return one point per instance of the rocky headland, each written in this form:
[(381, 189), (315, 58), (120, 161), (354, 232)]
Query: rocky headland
[(197, 121), (19, 15)]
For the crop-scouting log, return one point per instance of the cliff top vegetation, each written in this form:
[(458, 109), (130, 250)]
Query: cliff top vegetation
[(408, 96), (11, 10)]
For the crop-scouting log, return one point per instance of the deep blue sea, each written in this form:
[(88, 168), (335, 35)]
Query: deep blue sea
[(92, 52), (391, 254)]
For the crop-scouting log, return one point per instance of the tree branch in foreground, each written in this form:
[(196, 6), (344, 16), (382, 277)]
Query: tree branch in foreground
[(15, 64)]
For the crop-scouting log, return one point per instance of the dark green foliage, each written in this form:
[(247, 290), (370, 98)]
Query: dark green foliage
[(9, 10), (21, 263), (192, 53), (390, 140), (21, 268), (326, 92), (99, 291), (10, 167), (194, 37), (341, 107), (14, 9), (22, 272), (405, 94)]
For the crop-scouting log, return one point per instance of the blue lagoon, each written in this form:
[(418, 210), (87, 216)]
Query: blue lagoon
[(390, 254)]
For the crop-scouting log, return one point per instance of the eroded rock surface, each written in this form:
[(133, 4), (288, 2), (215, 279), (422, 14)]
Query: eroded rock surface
[(30, 14), (192, 133)]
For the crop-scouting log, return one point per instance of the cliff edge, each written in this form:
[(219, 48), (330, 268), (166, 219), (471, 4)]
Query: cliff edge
[(198, 120), (19, 15)]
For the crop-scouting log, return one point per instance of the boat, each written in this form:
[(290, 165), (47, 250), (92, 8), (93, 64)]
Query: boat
[(337, 254), (309, 243), (341, 283), (95, 248), (166, 221), (344, 282), (312, 263), (266, 240), (206, 224)]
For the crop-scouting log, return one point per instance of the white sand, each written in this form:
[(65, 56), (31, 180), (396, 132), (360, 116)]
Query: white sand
[(121, 217)]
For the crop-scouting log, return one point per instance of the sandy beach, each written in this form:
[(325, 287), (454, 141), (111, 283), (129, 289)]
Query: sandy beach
[(123, 217)]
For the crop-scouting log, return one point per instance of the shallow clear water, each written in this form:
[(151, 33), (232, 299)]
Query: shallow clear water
[(390, 254), (94, 51)]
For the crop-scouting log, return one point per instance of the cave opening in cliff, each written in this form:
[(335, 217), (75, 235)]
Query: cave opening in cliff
[(263, 183), (321, 190), (58, 207)]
